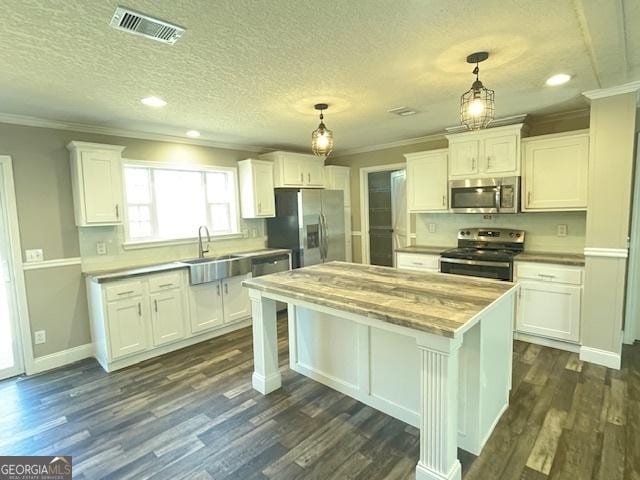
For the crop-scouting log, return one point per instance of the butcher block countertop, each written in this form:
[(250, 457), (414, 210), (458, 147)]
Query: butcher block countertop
[(431, 302)]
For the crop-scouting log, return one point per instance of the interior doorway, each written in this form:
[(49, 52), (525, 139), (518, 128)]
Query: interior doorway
[(11, 352), (384, 213)]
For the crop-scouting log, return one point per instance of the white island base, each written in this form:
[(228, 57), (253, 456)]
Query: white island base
[(454, 389)]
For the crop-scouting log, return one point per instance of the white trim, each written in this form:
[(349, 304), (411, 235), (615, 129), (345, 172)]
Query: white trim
[(62, 358), (364, 205), (600, 357), (398, 143), (30, 121), (632, 310), (181, 241), (58, 262), (611, 91), (547, 342), (606, 252), (356, 234), (24, 325)]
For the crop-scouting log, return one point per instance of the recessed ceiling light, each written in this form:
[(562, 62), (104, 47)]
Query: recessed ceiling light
[(193, 133), (156, 102), (558, 79)]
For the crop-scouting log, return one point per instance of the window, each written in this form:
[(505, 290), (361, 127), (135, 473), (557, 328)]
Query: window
[(169, 203)]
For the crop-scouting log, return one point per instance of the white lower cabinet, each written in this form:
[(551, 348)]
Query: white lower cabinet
[(133, 320), (549, 301), (420, 262)]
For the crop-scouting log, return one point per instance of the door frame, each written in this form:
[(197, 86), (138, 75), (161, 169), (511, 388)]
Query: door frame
[(23, 331), (632, 308), (364, 206)]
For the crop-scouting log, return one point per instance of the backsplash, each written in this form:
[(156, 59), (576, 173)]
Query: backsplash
[(540, 228), (117, 256)]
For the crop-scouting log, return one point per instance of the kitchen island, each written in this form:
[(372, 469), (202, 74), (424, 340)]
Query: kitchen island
[(431, 349)]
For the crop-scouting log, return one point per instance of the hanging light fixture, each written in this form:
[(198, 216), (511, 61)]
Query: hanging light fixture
[(322, 137), (477, 106)]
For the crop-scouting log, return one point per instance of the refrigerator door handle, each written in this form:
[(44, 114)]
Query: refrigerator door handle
[(325, 236), (321, 234)]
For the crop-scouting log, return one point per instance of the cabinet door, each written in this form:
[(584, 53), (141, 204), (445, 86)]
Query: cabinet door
[(263, 186), (292, 174), (167, 316), (463, 158), (427, 184), (127, 326), (102, 187), (550, 310), (237, 305), (339, 178), (206, 306), (501, 155), (313, 176), (555, 173)]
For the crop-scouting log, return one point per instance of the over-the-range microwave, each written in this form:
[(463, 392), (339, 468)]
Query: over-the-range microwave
[(485, 195)]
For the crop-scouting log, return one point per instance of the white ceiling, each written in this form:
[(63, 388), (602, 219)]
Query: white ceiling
[(249, 71)]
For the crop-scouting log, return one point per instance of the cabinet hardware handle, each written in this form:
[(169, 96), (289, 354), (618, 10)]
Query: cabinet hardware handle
[(488, 162), (528, 199), (473, 163), (226, 289), (155, 305), (443, 200), (259, 207), (165, 285), (301, 177), (139, 309), (218, 289), (309, 177), (117, 211), (126, 293), (546, 275)]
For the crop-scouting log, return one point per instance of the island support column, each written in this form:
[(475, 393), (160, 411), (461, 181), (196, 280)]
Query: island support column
[(438, 408), (266, 374)]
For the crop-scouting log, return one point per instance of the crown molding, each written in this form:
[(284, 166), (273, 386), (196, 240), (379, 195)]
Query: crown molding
[(28, 121), (397, 143), (611, 91), (554, 117)]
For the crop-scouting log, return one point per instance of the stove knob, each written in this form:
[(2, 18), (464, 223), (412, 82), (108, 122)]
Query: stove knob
[(517, 235), (512, 234), (468, 232)]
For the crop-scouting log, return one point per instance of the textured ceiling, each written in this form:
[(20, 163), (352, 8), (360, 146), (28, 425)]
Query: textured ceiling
[(249, 71)]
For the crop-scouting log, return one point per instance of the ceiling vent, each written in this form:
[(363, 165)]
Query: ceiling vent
[(146, 26), (403, 111)]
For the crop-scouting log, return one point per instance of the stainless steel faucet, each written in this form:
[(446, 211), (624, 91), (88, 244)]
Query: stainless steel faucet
[(201, 249)]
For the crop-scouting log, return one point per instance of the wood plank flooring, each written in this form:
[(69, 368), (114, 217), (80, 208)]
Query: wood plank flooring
[(192, 414)]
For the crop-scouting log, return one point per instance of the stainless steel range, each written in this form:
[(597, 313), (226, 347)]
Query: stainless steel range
[(484, 252)]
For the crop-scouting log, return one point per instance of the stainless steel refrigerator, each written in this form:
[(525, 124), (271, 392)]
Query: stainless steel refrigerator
[(311, 223)]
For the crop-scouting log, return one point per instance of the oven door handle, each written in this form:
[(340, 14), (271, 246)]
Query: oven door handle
[(480, 263), (498, 198)]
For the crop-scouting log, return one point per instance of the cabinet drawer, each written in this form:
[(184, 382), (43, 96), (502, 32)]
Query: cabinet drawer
[(158, 283), (123, 290), (418, 261), (549, 273)]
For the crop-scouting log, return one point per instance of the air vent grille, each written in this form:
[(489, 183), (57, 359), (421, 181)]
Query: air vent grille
[(403, 111), (146, 26)]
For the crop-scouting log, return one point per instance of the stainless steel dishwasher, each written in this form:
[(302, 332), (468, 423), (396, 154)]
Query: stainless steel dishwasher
[(266, 265)]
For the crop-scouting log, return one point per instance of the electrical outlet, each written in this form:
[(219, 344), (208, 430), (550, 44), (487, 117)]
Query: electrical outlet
[(34, 255), (40, 337), (101, 248), (562, 230), (432, 228)]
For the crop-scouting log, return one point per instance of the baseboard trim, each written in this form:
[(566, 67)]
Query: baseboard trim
[(547, 342), (600, 357), (62, 358)]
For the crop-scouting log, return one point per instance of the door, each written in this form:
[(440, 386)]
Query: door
[(237, 305), (463, 158), (102, 187), (10, 347), (427, 183), (292, 170), (314, 172), (167, 316), (310, 202), (500, 155), (205, 306), (127, 326), (550, 310), (333, 225), (263, 185), (399, 209), (380, 221)]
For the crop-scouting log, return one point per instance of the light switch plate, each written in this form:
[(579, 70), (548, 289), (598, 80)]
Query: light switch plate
[(40, 337), (562, 230), (34, 255), (101, 248), (432, 228)]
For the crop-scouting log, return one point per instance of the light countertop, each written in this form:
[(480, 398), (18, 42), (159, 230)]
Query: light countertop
[(426, 249), (431, 302), (558, 258)]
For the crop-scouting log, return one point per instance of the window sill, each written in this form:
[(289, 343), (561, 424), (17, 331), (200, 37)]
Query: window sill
[(137, 245)]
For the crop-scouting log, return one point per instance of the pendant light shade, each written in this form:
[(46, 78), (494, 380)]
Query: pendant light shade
[(322, 137), (477, 105)]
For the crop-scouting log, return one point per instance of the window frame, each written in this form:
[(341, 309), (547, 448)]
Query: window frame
[(132, 243)]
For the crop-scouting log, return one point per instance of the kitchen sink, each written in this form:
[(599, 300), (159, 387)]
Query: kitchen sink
[(212, 269)]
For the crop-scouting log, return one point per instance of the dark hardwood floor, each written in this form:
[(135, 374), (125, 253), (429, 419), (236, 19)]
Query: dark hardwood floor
[(192, 414)]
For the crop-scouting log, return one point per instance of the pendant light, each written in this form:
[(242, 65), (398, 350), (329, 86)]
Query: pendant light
[(322, 137), (477, 106)]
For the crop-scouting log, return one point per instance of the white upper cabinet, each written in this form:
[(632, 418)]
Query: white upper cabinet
[(296, 169), (256, 188), (427, 183), (556, 172), (494, 152), (96, 179), (339, 178)]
